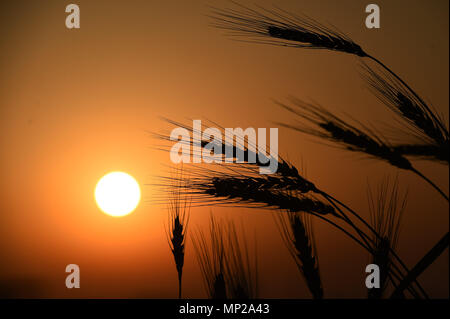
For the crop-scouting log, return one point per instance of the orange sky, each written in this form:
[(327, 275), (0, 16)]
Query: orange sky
[(76, 104)]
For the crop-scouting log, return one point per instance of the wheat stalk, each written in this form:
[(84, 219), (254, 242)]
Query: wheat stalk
[(241, 274), (211, 259), (334, 129), (386, 210), (423, 264), (298, 235), (422, 122), (433, 152), (279, 27), (177, 229), (225, 263), (247, 190)]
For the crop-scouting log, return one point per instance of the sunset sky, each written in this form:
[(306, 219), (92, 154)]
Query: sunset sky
[(77, 104)]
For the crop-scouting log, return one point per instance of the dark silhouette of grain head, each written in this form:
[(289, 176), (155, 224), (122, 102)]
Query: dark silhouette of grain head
[(298, 235), (179, 206), (386, 208)]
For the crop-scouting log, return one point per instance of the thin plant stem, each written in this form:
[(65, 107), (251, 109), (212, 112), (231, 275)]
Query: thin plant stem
[(423, 264), (429, 182)]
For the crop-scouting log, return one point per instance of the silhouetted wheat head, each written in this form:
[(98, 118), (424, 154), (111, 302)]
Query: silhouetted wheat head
[(225, 263), (241, 273), (386, 210), (211, 259), (179, 206), (334, 129), (428, 128), (278, 27), (298, 235), (234, 190), (323, 124)]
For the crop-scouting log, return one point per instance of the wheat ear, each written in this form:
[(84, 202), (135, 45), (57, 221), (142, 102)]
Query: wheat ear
[(178, 221), (297, 232)]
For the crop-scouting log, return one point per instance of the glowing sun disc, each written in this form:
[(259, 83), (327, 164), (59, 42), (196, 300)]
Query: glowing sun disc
[(117, 194)]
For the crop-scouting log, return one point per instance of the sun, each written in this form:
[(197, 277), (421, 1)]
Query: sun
[(117, 194)]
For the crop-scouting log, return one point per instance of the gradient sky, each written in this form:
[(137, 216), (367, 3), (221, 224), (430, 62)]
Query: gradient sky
[(76, 104)]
